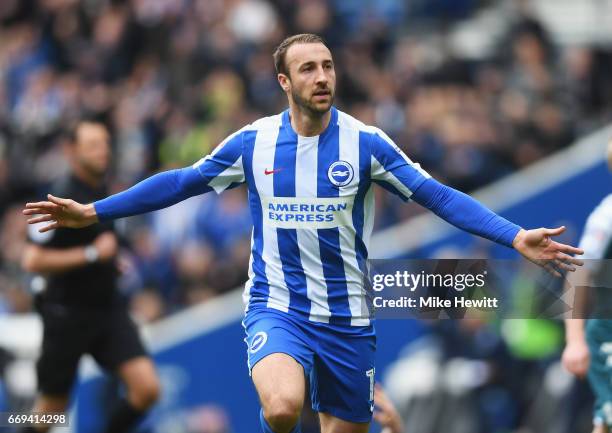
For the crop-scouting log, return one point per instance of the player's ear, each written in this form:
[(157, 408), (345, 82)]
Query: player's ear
[(284, 82)]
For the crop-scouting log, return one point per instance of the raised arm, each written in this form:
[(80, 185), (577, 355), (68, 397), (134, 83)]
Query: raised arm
[(464, 212), (159, 191), (394, 171), (218, 171)]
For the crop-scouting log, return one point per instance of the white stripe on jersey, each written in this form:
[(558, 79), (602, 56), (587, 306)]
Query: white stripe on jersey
[(233, 174), (263, 159), (597, 233), (308, 240), (348, 151), (379, 173), (246, 294)]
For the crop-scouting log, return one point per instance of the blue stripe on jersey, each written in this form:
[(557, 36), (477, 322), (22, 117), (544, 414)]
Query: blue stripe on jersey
[(329, 239), (261, 288), (364, 186), (288, 248)]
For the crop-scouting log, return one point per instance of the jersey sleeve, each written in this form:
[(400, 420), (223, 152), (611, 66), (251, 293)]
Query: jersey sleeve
[(392, 169), (597, 236), (464, 212), (218, 171), (223, 168)]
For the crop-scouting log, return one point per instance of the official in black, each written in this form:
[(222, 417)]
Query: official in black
[(78, 301)]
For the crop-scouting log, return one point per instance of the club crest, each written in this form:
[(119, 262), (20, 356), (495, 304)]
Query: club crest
[(340, 173)]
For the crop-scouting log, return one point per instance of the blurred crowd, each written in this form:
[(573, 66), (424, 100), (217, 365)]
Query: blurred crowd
[(172, 78)]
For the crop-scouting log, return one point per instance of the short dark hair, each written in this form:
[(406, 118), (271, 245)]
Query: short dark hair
[(71, 132), (281, 50)]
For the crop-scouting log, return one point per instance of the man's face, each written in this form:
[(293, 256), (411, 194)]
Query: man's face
[(311, 79), (92, 148)]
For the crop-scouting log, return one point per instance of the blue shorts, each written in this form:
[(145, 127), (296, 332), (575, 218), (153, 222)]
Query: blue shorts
[(338, 360)]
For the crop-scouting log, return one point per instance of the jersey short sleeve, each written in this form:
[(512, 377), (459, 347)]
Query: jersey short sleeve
[(392, 169), (223, 168), (597, 236)]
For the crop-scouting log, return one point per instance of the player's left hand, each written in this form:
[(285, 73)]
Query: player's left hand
[(537, 246), (386, 414)]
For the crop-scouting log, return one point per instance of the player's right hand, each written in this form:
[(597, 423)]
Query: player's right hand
[(107, 246), (60, 212), (576, 358)]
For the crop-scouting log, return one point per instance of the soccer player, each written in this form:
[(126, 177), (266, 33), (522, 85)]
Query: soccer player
[(588, 343), (79, 303), (309, 172)]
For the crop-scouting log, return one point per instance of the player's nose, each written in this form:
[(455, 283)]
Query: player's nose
[(321, 77)]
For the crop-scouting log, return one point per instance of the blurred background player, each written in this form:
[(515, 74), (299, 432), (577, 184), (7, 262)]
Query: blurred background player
[(588, 348), (307, 315), (385, 412), (81, 309)]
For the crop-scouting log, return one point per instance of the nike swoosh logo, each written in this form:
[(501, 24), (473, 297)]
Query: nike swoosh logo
[(276, 170)]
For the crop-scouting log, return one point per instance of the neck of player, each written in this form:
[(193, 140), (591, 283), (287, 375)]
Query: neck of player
[(305, 123)]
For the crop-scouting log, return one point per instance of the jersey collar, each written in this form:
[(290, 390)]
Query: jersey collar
[(333, 121)]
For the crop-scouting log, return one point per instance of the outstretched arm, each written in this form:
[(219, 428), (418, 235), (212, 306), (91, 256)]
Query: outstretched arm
[(159, 191), (393, 170), (464, 212), (60, 212), (218, 171)]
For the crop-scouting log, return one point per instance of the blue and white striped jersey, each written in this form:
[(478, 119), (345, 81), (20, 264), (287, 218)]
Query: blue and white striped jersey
[(312, 205)]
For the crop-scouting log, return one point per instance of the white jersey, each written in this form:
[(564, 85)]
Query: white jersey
[(596, 240), (312, 205)]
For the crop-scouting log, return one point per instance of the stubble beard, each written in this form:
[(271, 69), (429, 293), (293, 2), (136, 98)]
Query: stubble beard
[(310, 108)]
